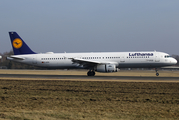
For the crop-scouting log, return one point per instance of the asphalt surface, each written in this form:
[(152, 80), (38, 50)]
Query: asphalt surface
[(81, 77)]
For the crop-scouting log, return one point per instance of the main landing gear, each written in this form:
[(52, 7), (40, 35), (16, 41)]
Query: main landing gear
[(157, 74), (91, 73)]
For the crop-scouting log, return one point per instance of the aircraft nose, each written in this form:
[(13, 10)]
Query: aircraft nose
[(174, 61)]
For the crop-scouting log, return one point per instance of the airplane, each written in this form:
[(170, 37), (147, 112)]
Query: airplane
[(95, 61)]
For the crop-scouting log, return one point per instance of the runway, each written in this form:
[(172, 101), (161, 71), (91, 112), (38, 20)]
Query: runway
[(84, 77)]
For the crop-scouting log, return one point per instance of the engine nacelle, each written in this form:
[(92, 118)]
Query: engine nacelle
[(106, 68)]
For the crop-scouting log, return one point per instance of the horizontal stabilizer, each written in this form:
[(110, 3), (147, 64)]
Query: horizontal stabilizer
[(15, 57)]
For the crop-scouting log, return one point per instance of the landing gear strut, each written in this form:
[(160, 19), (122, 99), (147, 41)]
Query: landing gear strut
[(157, 74), (91, 73)]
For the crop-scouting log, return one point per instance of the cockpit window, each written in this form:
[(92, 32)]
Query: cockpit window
[(167, 56)]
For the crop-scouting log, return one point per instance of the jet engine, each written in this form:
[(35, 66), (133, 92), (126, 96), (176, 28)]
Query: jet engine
[(106, 68)]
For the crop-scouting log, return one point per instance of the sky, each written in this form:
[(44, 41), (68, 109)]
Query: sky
[(91, 25)]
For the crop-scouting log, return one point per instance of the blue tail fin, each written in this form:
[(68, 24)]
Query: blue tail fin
[(18, 45)]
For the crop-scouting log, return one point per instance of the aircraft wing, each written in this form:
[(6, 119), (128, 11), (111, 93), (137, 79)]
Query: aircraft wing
[(77, 60), (87, 63)]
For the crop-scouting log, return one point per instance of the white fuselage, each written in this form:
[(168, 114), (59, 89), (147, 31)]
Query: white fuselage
[(120, 59)]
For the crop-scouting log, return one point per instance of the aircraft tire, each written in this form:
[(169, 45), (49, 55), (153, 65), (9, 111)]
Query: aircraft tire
[(157, 74), (93, 73), (90, 73)]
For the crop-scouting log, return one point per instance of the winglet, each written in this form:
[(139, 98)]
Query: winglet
[(18, 45)]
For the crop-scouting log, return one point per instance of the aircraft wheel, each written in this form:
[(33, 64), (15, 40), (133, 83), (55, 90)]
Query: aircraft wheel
[(157, 74), (90, 73), (93, 73)]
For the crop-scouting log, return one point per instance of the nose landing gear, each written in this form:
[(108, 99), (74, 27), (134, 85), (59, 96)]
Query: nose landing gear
[(157, 74)]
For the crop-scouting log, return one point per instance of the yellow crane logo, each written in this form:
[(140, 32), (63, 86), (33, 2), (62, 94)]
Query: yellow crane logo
[(17, 43)]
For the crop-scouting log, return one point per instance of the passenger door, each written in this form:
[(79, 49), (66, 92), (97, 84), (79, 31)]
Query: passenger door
[(122, 59), (157, 57), (34, 60)]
